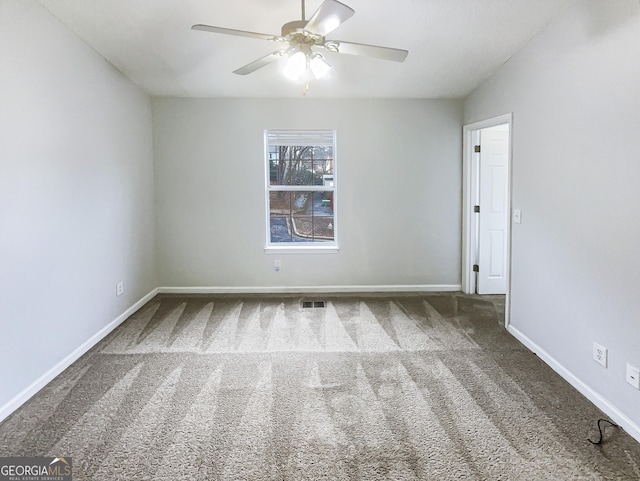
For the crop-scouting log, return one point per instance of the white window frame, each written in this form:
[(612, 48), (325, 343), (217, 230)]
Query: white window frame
[(295, 138)]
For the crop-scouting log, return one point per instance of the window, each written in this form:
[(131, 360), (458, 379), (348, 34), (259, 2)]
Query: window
[(301, 189)]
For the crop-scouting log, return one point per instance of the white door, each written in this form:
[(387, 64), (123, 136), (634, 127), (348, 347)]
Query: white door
[(494, 210)]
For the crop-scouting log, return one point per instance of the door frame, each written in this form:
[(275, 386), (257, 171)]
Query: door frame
[(470, 138)]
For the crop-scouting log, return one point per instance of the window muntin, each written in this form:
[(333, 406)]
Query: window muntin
[(301, 189)]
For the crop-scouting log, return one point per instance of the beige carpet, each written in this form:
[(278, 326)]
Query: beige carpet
[(376, 388)]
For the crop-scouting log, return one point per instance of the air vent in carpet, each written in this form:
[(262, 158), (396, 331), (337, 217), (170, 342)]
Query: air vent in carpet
[(313, 304)]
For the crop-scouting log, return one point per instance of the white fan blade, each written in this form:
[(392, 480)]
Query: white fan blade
[(372, 51), (329, 16), (239, 33), (261, 62)]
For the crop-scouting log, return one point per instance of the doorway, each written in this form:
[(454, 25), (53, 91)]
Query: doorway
[(487, 207)]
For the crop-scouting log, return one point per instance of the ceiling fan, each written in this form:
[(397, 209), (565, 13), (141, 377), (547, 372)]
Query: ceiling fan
[(301, 37)]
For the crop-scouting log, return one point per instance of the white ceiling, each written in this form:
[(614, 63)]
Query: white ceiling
[(453, 44)]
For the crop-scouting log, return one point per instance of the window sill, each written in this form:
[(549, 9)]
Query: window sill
[(301, 249)]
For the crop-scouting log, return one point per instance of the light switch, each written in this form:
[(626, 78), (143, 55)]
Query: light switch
[(517, 216)]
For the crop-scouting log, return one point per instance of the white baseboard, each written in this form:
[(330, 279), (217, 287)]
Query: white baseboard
[(47, 377), (596, 398), (309, 289)]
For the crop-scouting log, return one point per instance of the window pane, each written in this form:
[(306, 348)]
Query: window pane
[(279, 203), (277, 170), (299, 165), (301, 203), (323, 204), (301, 216), (280, 226), (323, 229)]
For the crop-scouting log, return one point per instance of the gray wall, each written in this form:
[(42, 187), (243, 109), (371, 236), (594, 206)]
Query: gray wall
[(399, 192), (76, 194), (575, 95)]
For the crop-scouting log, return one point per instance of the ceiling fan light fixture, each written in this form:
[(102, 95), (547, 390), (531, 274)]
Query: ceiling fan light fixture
[(296, 66), (319, 66)]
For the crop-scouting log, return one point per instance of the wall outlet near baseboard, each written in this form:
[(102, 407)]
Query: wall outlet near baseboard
[(633, 376), (600, 354), (119, 288)]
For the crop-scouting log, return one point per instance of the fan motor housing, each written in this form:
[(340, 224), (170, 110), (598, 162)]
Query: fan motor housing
[(291, 27)]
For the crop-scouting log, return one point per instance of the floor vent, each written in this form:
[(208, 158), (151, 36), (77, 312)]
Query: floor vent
[(313, 304)]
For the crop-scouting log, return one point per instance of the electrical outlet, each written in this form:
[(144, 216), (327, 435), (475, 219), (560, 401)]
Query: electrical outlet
[(276, 265), (600, 354), (119, 288), (633, 376)]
